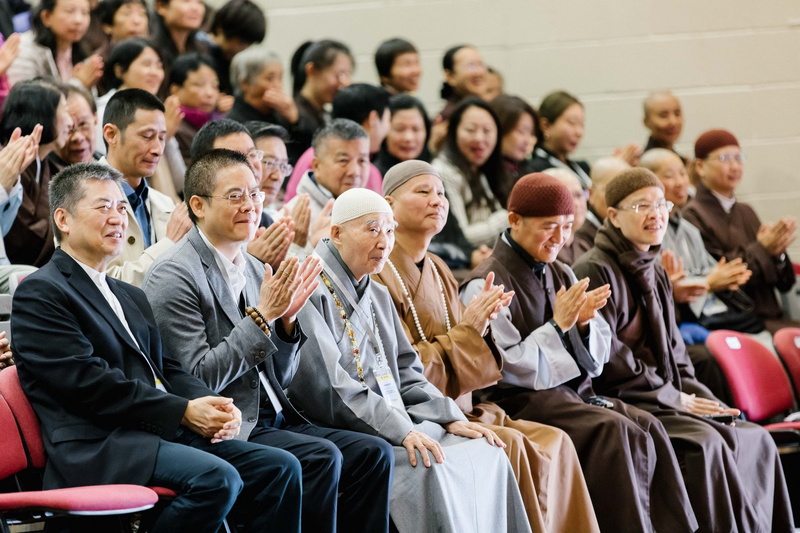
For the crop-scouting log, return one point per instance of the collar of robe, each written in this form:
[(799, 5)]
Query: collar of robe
[(359, 286), (536, 266)]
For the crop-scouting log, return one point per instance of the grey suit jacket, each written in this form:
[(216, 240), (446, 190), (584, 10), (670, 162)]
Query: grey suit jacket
[(202, 327)]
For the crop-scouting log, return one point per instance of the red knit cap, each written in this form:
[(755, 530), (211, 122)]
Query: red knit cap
[(711, 140), (540, 195)]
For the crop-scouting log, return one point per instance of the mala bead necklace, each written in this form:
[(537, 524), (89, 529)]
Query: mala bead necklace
[(411, 303), (347, 327)]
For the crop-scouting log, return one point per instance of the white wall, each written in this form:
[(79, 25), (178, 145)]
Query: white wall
[(733, 63)]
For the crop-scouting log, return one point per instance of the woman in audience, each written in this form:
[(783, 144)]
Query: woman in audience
[(175, 27), (464, 76), (121, 19), (397, 62), (30, 240), (520, 126), (408, 133), (80, 146), (320, 69), (53, 47), (471, 166)]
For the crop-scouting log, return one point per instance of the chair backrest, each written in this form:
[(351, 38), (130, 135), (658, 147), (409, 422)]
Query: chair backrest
[(11, 389), (757, 380), (787, 344), (12, 459)]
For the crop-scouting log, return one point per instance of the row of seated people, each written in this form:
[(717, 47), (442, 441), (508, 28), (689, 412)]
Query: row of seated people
[(313, 394)]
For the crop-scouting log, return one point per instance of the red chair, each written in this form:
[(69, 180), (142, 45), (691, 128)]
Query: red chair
[(34, 506), (787, 344)]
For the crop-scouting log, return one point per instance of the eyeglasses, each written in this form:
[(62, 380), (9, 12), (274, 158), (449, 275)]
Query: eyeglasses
[(730, 158), (85, 127), (271, 165), (236, 199), (254, 156), (650, 208)]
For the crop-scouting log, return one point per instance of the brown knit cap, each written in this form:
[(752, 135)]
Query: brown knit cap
[(628, 182), (711, 140), (540, 195)]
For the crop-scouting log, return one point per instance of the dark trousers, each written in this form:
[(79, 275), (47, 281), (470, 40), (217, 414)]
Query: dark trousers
[(356, 467), (260, 486)]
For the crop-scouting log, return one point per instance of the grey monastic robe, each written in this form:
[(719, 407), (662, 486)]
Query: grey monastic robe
[(474, 489)]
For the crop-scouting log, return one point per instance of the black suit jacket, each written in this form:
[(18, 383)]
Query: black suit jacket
[(102, 417)]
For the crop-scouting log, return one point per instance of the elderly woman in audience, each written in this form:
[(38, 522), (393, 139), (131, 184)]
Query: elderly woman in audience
[(397, 62), (80, 147), (257, 78), (519, 123), (53, 47), (407, 137), (30, 103), (471, 168), (175, 26), (663, 116), (320, 69), (456, 355), (731, 229), (358, 371), (732, 470)]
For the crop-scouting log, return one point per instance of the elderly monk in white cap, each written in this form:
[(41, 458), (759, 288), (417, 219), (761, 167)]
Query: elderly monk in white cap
[(453, 342), (358, 371)]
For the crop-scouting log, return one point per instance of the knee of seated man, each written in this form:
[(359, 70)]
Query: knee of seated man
[(221, 480), (380, 454)]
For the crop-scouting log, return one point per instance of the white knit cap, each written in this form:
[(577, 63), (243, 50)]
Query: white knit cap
[(357, 202)]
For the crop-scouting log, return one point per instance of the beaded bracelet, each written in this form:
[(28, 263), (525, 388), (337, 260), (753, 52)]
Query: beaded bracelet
[(259, 319)]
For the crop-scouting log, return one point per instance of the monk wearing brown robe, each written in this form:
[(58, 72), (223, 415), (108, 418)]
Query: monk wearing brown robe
[(732, 229), (457, 359), (552, 341), (732, 469)]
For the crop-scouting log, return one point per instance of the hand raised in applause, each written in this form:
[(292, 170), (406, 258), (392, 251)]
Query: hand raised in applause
[(9, 52), (595, 300), (6, 357), (485, 305), (309, 281), (18, 153), (271, 244), (321, 225), (569, 303), (301, 215), (777, 237), (89, 71), (418, 441), (213, 417), (172, 115), (728, 275)]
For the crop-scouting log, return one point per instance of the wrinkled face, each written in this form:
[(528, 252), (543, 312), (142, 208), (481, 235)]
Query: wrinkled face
[(579, 199), (81, 143), (406, 137), (468, 76), (145, 72), (94, 231), (647, 227), (341, 165), (137, 151), (405, 73), (222, 222), (326, 83), (63, 124), (365, 243), (664, 118), (476, 136), (420, 205), (564, 135), (241, 142), (270, 77), (130, 20), (517, 142), (200, 90), (675, 179), (722, 170), (275, 158), (541, 237), (69, 20), (182, 14)]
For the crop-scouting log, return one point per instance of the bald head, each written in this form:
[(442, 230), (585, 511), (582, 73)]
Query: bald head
[(669, 168), (603, 171), (654, 159), (663, 116)]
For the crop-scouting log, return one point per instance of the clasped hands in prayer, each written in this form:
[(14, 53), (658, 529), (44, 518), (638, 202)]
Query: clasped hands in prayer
[(577, 305)]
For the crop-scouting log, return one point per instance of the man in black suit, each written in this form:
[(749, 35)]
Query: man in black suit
[(113, 408)]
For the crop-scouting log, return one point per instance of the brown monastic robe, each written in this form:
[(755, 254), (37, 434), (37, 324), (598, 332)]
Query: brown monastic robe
[(630, 468), (733, 235), (458, 362), (572, 251), (733, 474)]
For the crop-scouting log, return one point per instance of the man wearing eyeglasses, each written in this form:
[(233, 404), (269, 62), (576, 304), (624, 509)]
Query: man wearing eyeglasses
[(135, 131), (232, 323), (731, 229), (732, 470)]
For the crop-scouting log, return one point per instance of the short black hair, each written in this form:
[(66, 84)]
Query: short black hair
[(448, 61), (388, 51), (186, 64), (321, 54), (30, 103), (241, 19), (259, 130), (106, 9), (357, 101), (123, 54), (201, 176), (122, 107), (204, 139)]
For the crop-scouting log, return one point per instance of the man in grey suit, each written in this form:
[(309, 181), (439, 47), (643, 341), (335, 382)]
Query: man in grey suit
[(210, 302)]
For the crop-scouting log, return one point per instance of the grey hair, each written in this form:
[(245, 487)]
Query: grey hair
[(654, 158), (248, 64), (67, 189), (607, 168), (338, 128)]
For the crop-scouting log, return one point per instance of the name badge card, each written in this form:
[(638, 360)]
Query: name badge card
[(389, 388)]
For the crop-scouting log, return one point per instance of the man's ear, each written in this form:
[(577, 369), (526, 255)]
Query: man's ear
[(197, 206), (390, 200), (514, 219), (111, 134), (613, 215), (61, 220), (336, 233)]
